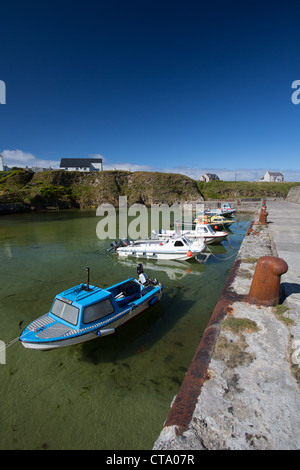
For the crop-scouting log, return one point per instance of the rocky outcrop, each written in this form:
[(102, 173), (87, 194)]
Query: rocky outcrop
[(63, 189)]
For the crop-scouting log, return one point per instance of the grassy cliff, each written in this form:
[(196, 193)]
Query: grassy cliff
[(64, 189), (243, 189), (59, 189)]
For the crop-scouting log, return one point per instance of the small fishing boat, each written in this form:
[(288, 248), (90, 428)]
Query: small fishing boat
[(227, 209), (202, 231), (217, 222), (85, 312), (178, 248)]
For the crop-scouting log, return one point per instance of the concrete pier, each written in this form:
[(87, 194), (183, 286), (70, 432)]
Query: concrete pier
[(242, 390)]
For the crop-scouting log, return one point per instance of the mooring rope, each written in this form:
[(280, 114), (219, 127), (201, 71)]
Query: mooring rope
[(10, 343), (222, 259)]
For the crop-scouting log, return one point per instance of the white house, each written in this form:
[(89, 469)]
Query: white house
[(209, 177), (2, 166), (81, 164), (272, 177)]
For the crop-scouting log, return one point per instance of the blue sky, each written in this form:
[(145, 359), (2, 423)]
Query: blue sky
[(184, 87)]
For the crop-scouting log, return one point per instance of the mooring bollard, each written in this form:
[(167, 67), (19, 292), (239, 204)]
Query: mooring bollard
[(265, 287), (263, 216)]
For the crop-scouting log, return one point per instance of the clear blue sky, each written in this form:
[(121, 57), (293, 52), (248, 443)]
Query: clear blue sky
[(187, 86)]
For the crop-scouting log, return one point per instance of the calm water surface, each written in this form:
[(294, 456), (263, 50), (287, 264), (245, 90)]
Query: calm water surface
[(113, 393)]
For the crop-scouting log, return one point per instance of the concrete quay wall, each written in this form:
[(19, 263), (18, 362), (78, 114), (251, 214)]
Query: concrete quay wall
[(242, 389)]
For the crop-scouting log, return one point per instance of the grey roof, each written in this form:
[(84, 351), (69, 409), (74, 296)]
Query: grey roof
[(78, 162), (275, 173)]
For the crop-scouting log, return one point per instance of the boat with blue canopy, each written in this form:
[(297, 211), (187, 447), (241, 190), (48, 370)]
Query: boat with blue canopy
[(86, 312), (227, 209)]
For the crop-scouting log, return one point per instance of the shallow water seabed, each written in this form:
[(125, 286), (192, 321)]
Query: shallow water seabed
[(114, 392)]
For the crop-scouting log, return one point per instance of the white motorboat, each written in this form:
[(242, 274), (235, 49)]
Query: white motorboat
[(178, 247), (201, 231)]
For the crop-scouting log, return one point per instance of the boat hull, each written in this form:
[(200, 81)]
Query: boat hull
[(157, 256), (210, 240)]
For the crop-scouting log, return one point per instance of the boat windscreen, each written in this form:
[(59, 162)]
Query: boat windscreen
[(66, 312)]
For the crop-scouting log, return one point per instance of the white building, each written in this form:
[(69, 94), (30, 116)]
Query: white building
[(81, 164), (272, 177), (2, 166), (209, 177)]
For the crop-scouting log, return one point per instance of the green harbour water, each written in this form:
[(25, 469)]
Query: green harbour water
[(113, 393)]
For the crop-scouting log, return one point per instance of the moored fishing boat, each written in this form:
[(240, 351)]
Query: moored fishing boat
[(201, 232), (174, 248), (227, 209), (217, 222), (86, 312)]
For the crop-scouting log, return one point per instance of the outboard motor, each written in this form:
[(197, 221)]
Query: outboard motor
[(124, 242), (140, 269), (115, 245), (143, 278)]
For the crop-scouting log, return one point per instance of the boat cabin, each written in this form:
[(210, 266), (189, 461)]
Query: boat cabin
[(80, 307)]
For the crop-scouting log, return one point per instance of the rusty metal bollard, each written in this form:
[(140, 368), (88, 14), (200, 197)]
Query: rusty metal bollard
[(265, 287), (263, 217)]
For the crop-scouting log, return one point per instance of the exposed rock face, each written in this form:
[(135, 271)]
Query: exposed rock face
[(64, 189)]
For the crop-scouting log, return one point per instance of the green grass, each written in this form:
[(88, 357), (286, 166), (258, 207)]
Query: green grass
[(236, 325), (243, 189), (94, 188)]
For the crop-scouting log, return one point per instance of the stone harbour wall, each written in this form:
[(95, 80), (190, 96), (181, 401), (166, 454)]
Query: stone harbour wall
[(242, 389)]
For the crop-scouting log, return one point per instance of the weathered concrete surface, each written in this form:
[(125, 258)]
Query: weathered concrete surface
[(251, 396)]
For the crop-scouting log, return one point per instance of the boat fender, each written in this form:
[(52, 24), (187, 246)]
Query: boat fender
[(153, 301), (105, 332), (189, 254)]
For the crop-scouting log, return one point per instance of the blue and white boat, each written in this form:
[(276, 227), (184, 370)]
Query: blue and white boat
[(85, 312), (227, 209)]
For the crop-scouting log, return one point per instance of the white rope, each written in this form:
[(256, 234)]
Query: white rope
[(222, 259), (10, 343)]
